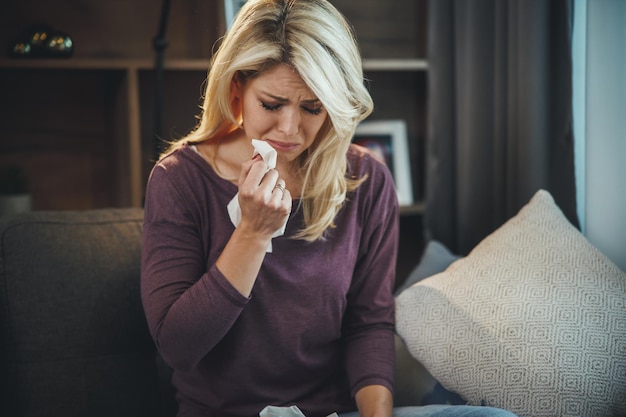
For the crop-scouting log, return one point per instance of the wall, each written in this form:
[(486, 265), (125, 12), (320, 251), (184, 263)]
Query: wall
[(603, 187)]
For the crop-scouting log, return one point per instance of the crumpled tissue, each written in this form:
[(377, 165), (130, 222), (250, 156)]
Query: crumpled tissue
[(268, 154), (293, 411)]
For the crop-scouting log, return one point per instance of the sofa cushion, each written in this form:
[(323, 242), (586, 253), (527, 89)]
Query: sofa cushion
[(533, 320), (414, 385), (436, 258), (73, 335)]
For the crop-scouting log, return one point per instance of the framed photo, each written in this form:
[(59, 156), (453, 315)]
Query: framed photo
[(231, 7), (388, 139)]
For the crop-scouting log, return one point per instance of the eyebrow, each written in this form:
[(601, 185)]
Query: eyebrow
[(284, 100)]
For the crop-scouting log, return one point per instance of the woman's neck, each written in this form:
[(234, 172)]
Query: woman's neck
[(227, 154)]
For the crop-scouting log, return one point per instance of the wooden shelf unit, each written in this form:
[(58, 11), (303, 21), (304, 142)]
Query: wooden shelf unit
[(82, 128)]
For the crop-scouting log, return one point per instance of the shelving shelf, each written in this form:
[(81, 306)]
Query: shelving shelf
[(181, 64)]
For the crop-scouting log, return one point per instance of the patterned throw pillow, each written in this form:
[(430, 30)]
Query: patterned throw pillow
[(533, 320)]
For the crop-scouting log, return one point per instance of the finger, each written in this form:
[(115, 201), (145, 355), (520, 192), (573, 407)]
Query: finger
[(279, 188), (245, 170), (253, 172), (286, 201), (281, 197), (268, 182)]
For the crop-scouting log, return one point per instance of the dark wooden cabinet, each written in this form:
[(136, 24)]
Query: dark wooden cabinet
[(81, 129)]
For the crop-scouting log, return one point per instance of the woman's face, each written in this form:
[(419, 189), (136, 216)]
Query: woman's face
[(279, 108)]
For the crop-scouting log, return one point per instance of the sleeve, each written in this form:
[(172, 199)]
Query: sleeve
[(189, 306), (369, 320)]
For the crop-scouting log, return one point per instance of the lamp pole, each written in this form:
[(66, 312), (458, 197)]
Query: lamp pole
[(160, 44)]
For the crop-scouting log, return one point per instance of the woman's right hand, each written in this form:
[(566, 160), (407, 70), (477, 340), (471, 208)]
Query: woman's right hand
[(264, 209), (264, 201)]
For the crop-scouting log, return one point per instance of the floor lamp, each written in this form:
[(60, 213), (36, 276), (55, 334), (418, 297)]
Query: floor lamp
[(160, 44)]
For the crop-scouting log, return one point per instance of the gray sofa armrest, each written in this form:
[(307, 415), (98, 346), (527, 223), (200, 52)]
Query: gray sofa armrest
[(73, 337)]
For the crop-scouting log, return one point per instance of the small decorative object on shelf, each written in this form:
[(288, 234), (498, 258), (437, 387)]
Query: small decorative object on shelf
[(31, 43), (40, 41), (59, 45)]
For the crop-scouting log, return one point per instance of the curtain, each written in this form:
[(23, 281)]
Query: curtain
[(499, 114)]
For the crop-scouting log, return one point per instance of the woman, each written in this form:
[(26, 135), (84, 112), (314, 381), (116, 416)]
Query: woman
[(245, 318)]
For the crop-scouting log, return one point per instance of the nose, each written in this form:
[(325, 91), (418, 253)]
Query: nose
[(289, 121)]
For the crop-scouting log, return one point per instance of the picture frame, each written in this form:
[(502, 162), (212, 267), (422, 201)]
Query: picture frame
[(231, 7), (389, 141)]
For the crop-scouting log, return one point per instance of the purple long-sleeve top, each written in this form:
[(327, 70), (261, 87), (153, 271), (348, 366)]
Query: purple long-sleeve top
[(318, 325)]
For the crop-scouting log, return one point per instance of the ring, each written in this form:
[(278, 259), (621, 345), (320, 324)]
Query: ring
[(280, 187)]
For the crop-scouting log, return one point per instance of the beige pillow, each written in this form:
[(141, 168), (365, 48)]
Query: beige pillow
[(533, 320)]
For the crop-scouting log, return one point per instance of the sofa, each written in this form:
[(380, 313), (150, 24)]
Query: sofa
[(73, 337), (74, 341)]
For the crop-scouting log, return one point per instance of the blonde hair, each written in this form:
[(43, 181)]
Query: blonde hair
[(314, 38)]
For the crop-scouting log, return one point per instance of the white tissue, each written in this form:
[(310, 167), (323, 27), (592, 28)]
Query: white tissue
[(293, 411), (272, 411), (268, 154), (266, 151)]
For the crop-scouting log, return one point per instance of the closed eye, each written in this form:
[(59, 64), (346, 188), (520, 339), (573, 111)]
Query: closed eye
[(274, 107), (271, 107), (313, 111)]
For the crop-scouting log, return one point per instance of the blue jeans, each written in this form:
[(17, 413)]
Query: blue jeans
[(444, 411)]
